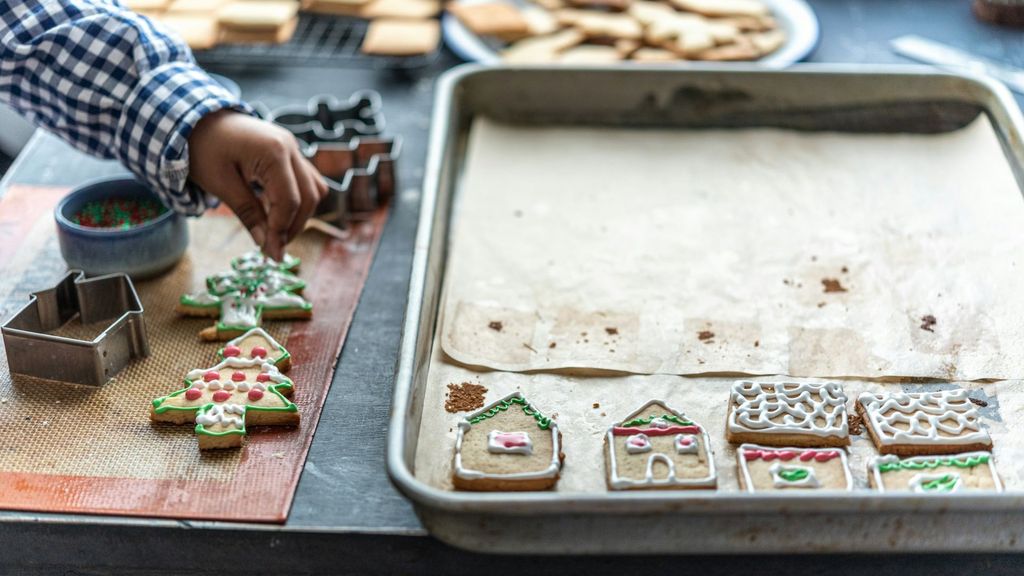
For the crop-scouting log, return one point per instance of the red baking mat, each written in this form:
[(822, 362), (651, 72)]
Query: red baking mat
[(55, 458)]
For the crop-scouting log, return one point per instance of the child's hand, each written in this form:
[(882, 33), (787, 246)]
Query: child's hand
[(228, 151)]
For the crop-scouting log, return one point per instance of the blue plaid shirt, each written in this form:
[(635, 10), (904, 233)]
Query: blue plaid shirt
[(113, 84)]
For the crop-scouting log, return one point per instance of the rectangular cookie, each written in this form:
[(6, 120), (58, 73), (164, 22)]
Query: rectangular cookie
[(934, 474), (388, 37), (925, 423), (787, 414), (766, 469)]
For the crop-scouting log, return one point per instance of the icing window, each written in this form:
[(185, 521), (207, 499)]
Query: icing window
[(686, 444), (499, 442), (936, 483), (793, 476), (638, 443)]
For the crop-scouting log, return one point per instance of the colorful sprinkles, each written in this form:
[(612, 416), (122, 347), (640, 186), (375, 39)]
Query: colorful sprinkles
[(118, 213)]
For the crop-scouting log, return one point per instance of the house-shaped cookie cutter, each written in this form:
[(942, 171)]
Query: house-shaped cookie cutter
[(342, 140), (33, 351)]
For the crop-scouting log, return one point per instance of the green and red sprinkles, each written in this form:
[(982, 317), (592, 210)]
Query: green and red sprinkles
[(118, 213)]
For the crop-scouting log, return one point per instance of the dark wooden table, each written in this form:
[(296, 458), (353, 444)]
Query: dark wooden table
[(347, 518)]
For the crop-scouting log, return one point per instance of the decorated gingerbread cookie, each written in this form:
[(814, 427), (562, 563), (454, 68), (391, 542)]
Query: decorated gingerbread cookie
[(927, 423), (787, 414), (223, 399), (256, 288), (255, 260), (657, 447), (767, 469), (934, 474), (257, 344), (508, 445)]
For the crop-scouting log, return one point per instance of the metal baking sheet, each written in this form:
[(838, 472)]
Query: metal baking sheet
[(811, 97)]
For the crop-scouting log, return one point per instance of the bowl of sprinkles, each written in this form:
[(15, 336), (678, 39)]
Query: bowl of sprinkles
[(119, 225)]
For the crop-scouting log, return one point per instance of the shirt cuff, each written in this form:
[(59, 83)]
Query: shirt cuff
[(152, 133)]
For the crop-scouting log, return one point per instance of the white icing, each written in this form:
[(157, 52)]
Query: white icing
[(255, 259), (499, 442), (273, 345), (213, 385), (203, 299), (703, 453), (924, 415), (194, 374), (222, 414), (199, 385), (745, 469), (876, 473), (243, 386), (550, 471), (638, 444), (916, 483), (281, 299), (687, 444), (238, 311), (755, 406), (810, 481), (229, 385)]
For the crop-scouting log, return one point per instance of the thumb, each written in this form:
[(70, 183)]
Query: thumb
[(240, 198)]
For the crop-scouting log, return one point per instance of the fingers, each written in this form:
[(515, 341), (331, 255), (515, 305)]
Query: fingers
[(238, 195), (310, 185), (281, 193)]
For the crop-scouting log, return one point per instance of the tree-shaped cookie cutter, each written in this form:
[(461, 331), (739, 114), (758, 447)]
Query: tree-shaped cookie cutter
[(33, 351)]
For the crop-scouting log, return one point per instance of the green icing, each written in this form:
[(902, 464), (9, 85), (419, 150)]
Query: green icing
[(543, 422), (944, 483), (794, 474), (642, 421), (966, 462)]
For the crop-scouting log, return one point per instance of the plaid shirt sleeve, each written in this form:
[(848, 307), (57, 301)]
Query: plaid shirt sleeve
[(111, 83)]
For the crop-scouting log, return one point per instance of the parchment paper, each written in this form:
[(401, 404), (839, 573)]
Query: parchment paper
[(705, 252)]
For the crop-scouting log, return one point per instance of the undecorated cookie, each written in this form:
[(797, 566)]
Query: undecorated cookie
[(657, 447), (498, 19), (389, 37), (924, 423), (542, 49), (258, 15), (608, 28), (654, 55), (768, 469), (935, 474), (723, 7), (200, 32), (402, 9), (787, 414), (507, 446), (590, 54)]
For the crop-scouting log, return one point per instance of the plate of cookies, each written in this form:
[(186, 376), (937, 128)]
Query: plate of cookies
[(773, 33)]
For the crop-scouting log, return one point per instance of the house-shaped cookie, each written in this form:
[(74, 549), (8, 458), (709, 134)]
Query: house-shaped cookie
[(508, 445), (657, 447), (934, 474), (787, 414), (769, 469), (925, 423)]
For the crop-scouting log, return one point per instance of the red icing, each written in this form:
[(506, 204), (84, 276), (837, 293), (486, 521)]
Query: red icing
[(193, 394), (258, 352), (255, 394), (238, 376), (671, 430), (231, 351), (805, 456), (210, 376), (263, 377), (686, 440), (221, 396)]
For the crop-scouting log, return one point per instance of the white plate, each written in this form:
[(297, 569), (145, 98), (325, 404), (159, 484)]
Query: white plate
[(794, 16)]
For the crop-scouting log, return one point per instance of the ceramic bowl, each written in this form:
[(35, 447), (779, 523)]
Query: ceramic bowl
[(141, 252)]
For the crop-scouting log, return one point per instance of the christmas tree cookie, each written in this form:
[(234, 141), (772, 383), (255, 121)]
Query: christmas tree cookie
[(255, 260), (787, 414), (767, 469), (508, 445), (257, 344), (934, 474), (222, 400), (256, 288), (926, 423), (657, 447)]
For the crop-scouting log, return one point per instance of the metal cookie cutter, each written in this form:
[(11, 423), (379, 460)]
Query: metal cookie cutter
[(360, 175), (33, 351), (325, 119)]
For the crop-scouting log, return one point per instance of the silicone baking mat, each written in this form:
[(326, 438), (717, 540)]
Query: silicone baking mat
[(75, 449)]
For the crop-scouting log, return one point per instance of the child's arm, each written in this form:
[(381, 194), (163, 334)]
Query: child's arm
[(115, 85)]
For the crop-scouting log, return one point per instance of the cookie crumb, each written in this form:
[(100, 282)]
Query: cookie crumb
[(464, 397), (530, 348), (844, 270), (279, 455), (814, 258), (612, 331), (757, 343), (856, 424), (821, 304), (597, 405), (496, 325), (603, 414), (553, 344), (979, 403), (928, 323), (705, 336), (832, 285)]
